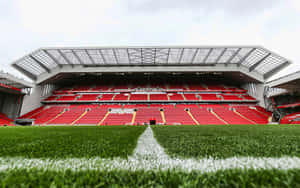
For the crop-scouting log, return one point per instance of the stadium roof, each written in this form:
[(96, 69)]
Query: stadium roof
[(290, 82), (254, 60), (11, 83)]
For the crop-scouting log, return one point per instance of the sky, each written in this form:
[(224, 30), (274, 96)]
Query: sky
[(26, 25)]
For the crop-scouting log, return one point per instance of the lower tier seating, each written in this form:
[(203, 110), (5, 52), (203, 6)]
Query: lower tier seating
[(138, 114), (4, 120), (293, 118), (143, 115)]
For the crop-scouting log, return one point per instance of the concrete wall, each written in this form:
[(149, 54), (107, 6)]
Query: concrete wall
[(257, 91), (33, 101), (10, 104)]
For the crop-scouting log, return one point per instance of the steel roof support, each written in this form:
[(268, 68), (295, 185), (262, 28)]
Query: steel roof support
[(168, 55), (208, 53), (246, 56), (259, 62), (194, 56), (53, 58), (27, 73), (127, 50), (154, 60), (221, 54), (115, 55), (40, 63), (142, 58), (103, 58), (77, 57), (233, 55), (65, 58), (181, 55), (89, 56), (276, 69)]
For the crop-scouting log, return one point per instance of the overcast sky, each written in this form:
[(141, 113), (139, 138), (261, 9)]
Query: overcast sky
[(26, 25)]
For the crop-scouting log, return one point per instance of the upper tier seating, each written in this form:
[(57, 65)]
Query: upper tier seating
[(138, 97), (101, 88), (191, 97), (158, 97), (248, 97), (106, 97), (121, 97), (177, 87), (197, 88), (209, 97), (51, 98), (231, 97), (67, 98), (215, 87), (88, 97), (81, 88), (176, 97)]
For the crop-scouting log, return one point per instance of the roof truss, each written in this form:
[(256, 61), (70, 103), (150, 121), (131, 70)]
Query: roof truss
[(255, 58)]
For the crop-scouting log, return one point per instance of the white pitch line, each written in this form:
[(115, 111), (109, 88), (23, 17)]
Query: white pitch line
[(149, 155)]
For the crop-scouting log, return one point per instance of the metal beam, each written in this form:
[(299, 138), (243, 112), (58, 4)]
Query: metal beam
[(115, 55), (246, 56), (233, 55), (77, 57), (194, 56), (259, 62), (221, 54), (65, 58), (181, 55), (27, 73), (208, 53), (129, 60), (168, 54), (53, 58), (40, 63), (276, 69), (154, 56), (142, 59), (103, 58), (89, 56)]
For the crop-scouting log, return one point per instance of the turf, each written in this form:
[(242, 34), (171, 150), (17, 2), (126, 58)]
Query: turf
[(229, 141), (228, 178), (66, 142)]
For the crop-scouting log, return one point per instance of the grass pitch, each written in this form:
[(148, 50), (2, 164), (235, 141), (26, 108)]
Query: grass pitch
[(120, 141), (223, 141), (228, 178), (69, 142)]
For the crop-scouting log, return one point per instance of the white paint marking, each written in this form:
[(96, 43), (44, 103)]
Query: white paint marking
[(149, 155)]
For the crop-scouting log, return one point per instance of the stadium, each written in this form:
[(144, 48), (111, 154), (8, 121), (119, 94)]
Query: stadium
[(204, 114)]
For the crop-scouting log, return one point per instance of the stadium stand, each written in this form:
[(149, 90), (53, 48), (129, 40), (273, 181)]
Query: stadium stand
[(79, 111), (135, 86)]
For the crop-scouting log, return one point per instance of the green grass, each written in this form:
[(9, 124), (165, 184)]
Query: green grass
[(228, 178), (219, 141), (66, 142)]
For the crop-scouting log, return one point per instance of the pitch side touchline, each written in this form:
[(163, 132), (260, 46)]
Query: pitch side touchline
[(149, 155)]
